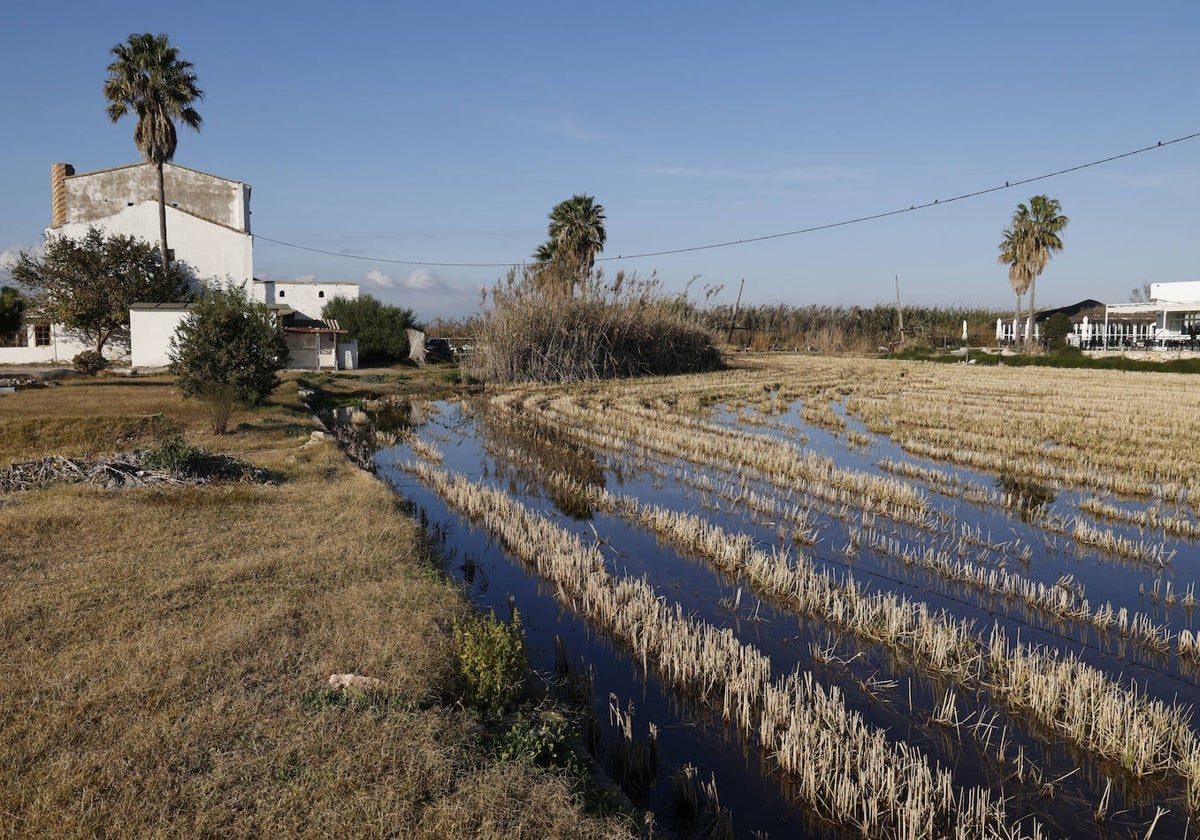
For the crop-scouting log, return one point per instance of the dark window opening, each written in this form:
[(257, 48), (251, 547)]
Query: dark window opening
[(41, 335), (281, 293), (320, 294)]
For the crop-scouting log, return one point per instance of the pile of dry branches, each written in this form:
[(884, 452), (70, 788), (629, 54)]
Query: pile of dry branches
[(124, 470)]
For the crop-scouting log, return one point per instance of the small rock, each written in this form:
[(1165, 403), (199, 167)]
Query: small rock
[(344, 681)]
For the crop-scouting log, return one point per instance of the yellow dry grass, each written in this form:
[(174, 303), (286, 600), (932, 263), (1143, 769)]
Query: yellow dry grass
[(166, 650)]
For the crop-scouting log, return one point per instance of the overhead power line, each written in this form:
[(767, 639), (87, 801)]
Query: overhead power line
[(912, 208)]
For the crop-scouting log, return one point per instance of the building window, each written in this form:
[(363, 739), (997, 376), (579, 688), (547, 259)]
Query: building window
[(41, 335), (321, 294), (281, 293)]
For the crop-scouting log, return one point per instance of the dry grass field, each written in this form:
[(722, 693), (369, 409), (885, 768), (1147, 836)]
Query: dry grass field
[(166, 650)]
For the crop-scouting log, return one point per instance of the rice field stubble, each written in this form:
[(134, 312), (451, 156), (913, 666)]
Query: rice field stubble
[(1064, 435)]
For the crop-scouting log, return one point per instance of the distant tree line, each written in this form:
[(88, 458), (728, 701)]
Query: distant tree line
[(846, 328)]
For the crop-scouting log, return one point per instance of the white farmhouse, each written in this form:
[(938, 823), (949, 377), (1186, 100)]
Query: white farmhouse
[(208, 227)]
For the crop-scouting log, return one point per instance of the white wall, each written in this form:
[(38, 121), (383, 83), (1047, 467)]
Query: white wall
[(1184, 292), (214, 251), (150, 332), (308, 299), (63, 347)]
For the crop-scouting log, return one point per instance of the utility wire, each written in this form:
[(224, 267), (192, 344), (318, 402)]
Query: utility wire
[(1007, 185)]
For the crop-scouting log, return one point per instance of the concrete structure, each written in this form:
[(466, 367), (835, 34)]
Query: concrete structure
[(208, 218), (208, 227), (305, 299)]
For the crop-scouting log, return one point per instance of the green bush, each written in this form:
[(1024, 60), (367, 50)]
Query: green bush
[(491, 662), (1055, 331), (380, 328), (175, 456), (227, 350), (545, 742), (89, 362), (535, 331)]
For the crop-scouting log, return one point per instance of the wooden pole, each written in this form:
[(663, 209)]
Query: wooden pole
[(899, 309), (736, 306)]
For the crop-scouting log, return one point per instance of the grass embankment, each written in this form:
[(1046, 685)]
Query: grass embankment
[(166, 650), (1065, 358)]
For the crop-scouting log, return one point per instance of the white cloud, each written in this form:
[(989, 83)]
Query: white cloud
[(378, 278), (422, 280)]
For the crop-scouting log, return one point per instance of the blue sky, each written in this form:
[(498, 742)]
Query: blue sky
[(444, 133)]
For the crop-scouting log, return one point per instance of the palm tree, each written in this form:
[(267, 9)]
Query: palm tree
[(1034, 230), (149, 79), (576, 235), (1018, 272)]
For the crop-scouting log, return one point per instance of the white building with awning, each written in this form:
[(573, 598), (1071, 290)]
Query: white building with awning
[(1174, 308)]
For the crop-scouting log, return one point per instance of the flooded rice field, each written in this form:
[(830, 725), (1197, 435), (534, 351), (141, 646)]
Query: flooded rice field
[(847, 598)]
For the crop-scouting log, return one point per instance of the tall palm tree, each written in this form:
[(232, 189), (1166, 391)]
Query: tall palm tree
[(1018, 271), (148, 78), (1035, 228), (577, 234)]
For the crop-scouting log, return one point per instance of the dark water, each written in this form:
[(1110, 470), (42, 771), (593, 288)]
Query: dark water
[(1055, 782)]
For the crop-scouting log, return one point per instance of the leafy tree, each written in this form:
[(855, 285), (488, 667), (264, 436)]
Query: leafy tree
[(11, 307), (1055, 331), (89, 284), (149, 79), (577, 234), (1034, 238), (228, 350), (379, 327)]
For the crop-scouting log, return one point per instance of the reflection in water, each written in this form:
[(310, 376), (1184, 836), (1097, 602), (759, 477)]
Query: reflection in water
[(525, 453), (363, 430), (1024, 495)]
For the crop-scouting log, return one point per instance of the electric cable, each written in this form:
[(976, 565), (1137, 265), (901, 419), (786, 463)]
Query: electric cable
[(1007, 185)]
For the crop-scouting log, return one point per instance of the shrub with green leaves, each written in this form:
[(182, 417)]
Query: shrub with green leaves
[(228, 350), (543, 741), (379, 328), (491, 662), (89, 362), (174, 455)]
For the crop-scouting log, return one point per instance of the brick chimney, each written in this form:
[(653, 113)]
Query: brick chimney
[(58, 192)]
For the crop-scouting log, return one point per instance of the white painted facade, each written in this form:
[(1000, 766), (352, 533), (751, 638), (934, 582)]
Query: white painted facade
[(305, 299), (1181, 292), (214, 252), (151, 327), (60, 347)]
